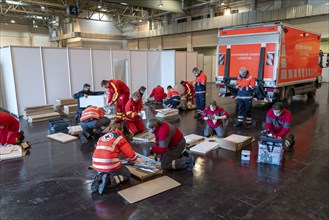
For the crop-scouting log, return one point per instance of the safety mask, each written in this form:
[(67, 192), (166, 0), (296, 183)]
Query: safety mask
[(212, 108), (151, 130), (277, 113), (142, 92), (243, 75)]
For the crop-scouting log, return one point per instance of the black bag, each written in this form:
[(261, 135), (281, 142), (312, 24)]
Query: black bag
[(58, 125)]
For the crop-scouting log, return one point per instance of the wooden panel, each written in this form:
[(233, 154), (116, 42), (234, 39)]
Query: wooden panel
[(180, 66), (191, 62), (148, 189), (207, 67), (143, 44), (204, 38), (155, 43), (168, 42)]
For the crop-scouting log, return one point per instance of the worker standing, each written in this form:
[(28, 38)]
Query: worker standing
[(9, 127), (278, 121), (85, 92), (245, 84), (118, 92), (133, 114), (111, 172), (200, 90), (171, 145), (93, 123)]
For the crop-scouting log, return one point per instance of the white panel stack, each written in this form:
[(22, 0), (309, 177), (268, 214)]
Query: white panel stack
[(166, 113), (94, 100)]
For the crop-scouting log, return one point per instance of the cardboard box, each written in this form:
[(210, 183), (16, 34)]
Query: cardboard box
[(193, 139), (235, 142)]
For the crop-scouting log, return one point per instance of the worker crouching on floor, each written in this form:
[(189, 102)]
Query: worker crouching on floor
[(133, 114), (93, 122), (214, 115), (9, 127), (105, 160), (278, 121), (170, 145), (158, 94), (189, 91), (173, 98)]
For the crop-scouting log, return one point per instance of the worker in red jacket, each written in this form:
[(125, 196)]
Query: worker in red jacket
[(111, 172), (171, 145), (200, 84), (118, 92), (93, 122), (133, 113), (245, 84), (173, 98), (9, 127), (188, 91), (158, 94), (278, 121), (214, 115)]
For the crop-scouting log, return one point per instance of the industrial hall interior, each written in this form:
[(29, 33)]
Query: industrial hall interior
[(164, 109)]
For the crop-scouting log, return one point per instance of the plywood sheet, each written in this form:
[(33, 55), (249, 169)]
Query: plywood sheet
[(95, 100), (148, 189), (204, 147), (62, 137)]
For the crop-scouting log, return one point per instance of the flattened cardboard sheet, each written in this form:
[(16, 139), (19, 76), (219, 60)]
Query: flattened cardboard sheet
[(204, 147), (151, 188), (140, 174), (193, 139), (145, 137), (10, 152), (62, 137), (95, 100), (235, 142)]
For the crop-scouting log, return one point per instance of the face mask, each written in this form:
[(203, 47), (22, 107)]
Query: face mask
[(212, 108), (142, 92), (243, 75), (151, 130), (277, 114)]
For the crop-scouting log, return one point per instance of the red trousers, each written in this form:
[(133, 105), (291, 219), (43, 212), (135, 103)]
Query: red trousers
[(9, 133), (135, 127), (120, 106)]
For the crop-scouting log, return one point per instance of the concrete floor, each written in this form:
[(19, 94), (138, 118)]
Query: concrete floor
[(53, 182)]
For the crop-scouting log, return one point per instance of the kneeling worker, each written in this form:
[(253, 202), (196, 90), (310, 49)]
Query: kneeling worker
[(278, 121), (9, 127), (173, 98), (111, 172), (93, 122), (214, 115), (158, 94), (133, 114), (171, 145)]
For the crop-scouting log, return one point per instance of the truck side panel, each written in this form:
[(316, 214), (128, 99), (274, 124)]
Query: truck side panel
[(299, 56)]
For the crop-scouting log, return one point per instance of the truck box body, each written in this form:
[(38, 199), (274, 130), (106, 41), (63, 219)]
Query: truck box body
[(279, 57)]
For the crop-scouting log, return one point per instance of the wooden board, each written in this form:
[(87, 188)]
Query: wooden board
[(75, 130), (94, 100), (43, 117), (62, 137), (193, 139), (235, 142), (66, 101), (145, 137), (151, 188), (204, 147)]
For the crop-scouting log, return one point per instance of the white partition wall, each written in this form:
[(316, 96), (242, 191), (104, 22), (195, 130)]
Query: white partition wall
[(102, 68), (79, 68), (180, 66), (33, 76), (28, 76), (138, 70), (57, 82), (7, 81), (167, 68), (191, 62), (153, 70)]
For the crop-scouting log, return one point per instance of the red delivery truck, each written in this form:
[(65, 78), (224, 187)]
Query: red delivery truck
[(284, 60)]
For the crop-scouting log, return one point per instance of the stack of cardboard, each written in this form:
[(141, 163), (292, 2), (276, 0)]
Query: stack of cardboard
[(70, 110), (166, 113), (62, 102), (145, 137), (193, 139), (40, 113), (13, 151)]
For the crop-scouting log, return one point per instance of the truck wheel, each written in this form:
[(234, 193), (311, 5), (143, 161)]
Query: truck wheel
[(288, 99), (311, 94)]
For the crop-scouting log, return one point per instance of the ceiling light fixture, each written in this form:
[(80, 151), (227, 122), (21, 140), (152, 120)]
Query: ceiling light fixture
[(160, 5), (140, 20), (222, 3), (42, 8), (12, 21), (15, 2), (123, 3)]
